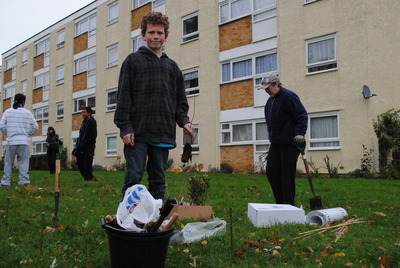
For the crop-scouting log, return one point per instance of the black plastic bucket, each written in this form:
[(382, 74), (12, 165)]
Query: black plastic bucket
[(133, 249)]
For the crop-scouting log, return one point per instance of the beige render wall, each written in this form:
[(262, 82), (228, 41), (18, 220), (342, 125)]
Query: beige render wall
[(366, 35), (204, 108)]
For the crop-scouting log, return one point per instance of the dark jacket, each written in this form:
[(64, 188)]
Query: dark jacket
[(52, 140), (151, 98), (286, 117), (87, 137)]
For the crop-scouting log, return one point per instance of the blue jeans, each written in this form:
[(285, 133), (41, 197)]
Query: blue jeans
[(135, 157)]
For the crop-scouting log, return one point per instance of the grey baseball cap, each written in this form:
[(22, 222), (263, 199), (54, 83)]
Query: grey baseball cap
[(268, 80)]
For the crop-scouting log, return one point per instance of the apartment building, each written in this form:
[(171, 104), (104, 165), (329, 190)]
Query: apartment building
[(324, 50)]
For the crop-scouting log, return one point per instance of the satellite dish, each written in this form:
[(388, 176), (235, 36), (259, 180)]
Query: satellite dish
[(366, 92)]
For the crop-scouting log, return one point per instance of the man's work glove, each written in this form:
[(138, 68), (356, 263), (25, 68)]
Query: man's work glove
[(299, 140)]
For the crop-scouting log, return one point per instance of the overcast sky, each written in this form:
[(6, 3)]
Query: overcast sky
[(21, 19)]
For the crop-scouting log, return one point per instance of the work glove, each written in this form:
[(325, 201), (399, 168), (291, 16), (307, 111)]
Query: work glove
[(299, 140)]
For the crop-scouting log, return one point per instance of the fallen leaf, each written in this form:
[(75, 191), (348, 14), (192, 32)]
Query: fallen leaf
[(339, 254), (240, 252), (310, 249), (385, 260), (381, 248), (317, 260), (186, 250), (380, 214), (177, 170), (50, 229), (252, 234), (397, 244), (204, 242), (38, 198), (324, 253), (348, 264)]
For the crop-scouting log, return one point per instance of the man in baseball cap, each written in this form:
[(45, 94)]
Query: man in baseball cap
[(287, 122)]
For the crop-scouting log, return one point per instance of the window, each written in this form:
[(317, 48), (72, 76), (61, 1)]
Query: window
[(86, 25), (24, 56), (60, 111), (233, 9), (192, 139), (246, 67), (9, 92), (137, 42), (11, 63), (60, 75), (24, 87), (111, 100), (42, 47), (80, 103), (42, 80), (158, 2), (39, 147), (190, 27), (321, 54), (86, 64), (309, 1), (61, 38), (138, 3), (42, 114), (113, 13), (324, 131), (111, 145), (245, 133), (112, 56), (191, 80)]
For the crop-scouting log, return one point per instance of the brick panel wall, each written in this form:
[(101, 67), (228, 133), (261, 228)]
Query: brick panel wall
[(235, 34), (240, 157), (81, 43), (6, 104), (237, 95), (137, 15), (80, 82), (76, 121), (37, 95), (8, 76), (38, 62), (39, 130)]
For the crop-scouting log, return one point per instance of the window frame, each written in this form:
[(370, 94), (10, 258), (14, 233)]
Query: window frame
[(113, 151), (322, 140), (60, 76), (325, 63), (115, 18), (9, 92), (253, 65), (227, 129), (41, 80), (24, 60), (77, 108), (61, 38), (91, 29), (136, 3), (11, 62), (24, 87), (42, 145), (112, 62), (191, 91), (86, 65), (41, 114), (112, 106), (59, 116), (42, 47), (192, 35)]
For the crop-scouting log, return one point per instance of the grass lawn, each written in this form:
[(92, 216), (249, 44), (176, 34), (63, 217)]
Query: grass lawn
[(30, 237)]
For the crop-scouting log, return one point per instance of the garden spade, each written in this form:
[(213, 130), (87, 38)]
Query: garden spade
[(316, 201)]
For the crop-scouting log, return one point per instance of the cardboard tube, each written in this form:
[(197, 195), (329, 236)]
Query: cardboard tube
[(324, 216), (172, 220)]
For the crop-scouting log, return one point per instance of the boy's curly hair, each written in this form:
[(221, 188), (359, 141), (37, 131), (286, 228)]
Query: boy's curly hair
[(156, 18)]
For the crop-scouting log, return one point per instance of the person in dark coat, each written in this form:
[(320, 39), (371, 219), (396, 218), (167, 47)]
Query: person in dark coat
[(287, 122), (52, 148), (86, 144)]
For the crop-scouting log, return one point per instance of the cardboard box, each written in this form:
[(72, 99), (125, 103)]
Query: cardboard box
[(262, 215), (194, 212)]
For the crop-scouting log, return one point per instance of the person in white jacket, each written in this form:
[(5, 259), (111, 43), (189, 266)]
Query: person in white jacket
[(18, 124)]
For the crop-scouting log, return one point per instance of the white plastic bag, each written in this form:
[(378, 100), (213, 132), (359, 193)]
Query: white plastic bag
[(195, 231), (138, 204)]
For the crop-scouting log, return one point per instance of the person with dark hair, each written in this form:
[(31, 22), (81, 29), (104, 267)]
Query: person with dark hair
[(18, 124), (86, 144), (287, 122), (151, 102), (52, 148)]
